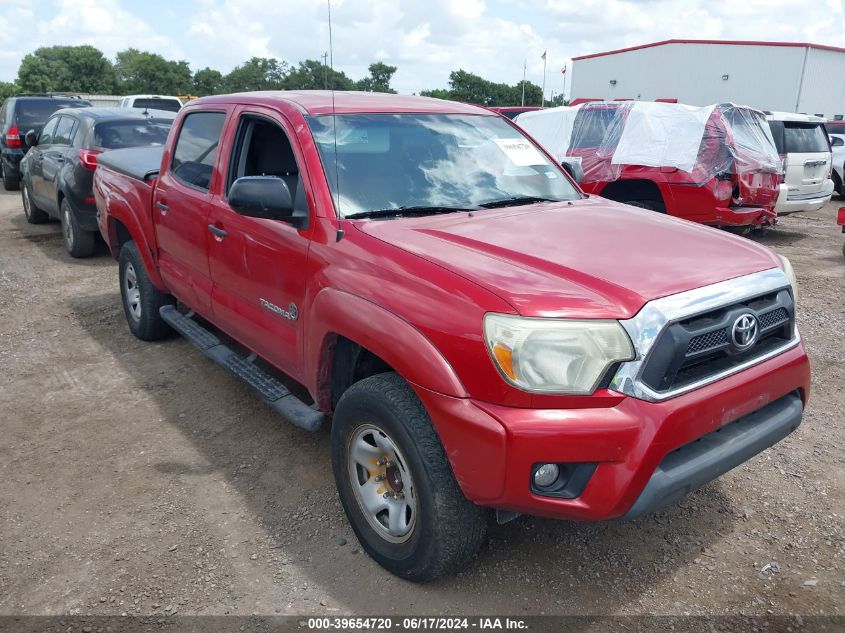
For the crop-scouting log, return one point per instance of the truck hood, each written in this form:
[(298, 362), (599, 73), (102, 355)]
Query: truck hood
[(590, 258)]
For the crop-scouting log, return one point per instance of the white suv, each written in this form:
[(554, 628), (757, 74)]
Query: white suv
[(151, 102), (837, 145), (802, 142)]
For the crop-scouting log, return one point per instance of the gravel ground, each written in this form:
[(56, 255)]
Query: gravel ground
[(143, 479)]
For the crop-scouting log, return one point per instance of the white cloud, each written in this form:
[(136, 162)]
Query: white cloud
[(426, 39)]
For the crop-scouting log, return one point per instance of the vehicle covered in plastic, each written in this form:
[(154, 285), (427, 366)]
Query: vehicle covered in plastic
[(717, 164)]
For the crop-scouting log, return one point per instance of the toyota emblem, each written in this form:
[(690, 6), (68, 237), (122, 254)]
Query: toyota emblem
[(744, 331)]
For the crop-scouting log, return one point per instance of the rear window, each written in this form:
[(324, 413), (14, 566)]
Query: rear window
[(122, 134), (804, 138), (33, 113), (169, 105)]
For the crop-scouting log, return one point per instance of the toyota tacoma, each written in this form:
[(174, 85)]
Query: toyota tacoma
[(482, 338)]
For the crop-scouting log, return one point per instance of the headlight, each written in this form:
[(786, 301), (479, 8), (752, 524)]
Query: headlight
[(790, 274), (563, 356)]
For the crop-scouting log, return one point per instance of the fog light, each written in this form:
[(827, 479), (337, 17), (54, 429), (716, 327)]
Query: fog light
[(546, 475)]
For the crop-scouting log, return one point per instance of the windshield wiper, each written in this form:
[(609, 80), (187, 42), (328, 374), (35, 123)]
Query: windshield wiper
[(514, 202), (400, 211)]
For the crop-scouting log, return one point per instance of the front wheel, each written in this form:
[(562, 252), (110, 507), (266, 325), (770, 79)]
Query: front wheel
[(141, 300), (396, 484), (78, 241)]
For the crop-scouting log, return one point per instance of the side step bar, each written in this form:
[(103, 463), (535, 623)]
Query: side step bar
[(271, 390)]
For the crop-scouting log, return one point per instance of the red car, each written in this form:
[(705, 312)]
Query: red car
[(725, 174), (840, 220), (481, 337)]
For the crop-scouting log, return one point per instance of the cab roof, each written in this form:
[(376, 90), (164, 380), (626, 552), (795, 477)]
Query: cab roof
[(316, 102)]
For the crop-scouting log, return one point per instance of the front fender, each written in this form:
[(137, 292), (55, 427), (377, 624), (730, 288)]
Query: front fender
[(388, 336)]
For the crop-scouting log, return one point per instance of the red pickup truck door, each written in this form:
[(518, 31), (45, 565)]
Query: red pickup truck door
[(180, 208), (259, 266)]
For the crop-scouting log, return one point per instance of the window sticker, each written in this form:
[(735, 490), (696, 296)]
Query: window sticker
[(520, 152)]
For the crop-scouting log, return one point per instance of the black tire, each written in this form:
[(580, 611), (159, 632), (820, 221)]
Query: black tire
[(78, 241), (10, 183), (837, 183), (448, 529), (651, 205), (33, 214), (145, 322)]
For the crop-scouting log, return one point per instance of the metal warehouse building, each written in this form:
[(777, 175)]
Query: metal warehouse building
[(786, 76)]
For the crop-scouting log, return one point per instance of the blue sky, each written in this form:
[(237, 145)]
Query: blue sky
[(425, 39)]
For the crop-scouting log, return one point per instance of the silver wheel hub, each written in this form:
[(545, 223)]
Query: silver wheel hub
[(382, 483), (26, 201), (132, 292)]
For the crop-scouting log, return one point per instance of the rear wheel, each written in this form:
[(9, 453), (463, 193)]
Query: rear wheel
[(33, 214), (78, 241), (396, 484), (141, 300), (10, 183)]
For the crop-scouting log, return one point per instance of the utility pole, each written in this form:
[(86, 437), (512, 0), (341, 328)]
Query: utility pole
[(325, 57), (524, 69)]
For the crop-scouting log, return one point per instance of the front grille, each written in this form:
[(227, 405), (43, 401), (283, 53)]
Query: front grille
[(702, 346)]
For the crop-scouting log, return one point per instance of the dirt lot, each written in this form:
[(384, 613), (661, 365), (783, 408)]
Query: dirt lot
[(143, 479)]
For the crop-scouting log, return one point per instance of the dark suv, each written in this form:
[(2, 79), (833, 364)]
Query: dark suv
[(17, 115), (57, 174)]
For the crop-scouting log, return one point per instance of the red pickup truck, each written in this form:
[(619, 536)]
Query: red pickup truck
[(482, 338)]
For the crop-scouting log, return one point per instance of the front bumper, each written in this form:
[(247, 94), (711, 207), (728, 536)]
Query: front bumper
[(493, 448), (787, 205)]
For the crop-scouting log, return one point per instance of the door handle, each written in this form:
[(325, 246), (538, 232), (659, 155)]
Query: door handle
[(162, 207), (217, 231)]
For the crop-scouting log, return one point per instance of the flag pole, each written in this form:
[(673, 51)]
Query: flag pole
[(543, 98), (524, 69)]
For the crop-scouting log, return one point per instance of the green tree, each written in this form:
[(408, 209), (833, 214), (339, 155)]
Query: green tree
[(470, 88), (379, 79), (313, 74), (208, 82), (8, 88), (144, 72), (259, 73), (66, 69)]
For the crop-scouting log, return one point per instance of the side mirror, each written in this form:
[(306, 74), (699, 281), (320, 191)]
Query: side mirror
[(573, 167), (265, 197), (31, 138)]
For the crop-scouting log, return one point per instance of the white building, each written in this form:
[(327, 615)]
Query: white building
[(786, 76)]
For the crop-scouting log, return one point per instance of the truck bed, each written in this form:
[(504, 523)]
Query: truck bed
[(140, 163)]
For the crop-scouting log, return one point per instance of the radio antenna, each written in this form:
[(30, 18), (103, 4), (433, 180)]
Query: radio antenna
[(339, 235)]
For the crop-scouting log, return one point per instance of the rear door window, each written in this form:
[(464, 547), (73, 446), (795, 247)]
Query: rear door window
[(196, 148), (65, 131), (46, 137), (804, 138)]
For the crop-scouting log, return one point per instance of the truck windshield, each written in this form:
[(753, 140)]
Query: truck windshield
[(432, 161)]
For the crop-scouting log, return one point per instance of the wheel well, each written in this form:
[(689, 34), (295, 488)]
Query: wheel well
[(628, 190), (118, 233), (350, 362)]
